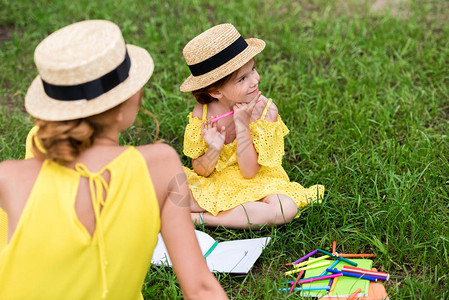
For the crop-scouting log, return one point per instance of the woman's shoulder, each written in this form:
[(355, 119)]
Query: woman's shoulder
[(158, 153), (18, 176), (11, 168), (164, 167)]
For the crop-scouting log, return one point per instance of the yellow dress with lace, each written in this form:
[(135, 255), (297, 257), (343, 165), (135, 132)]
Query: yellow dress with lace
[(226, 188)]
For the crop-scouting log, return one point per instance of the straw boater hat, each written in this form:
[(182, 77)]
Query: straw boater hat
[(85, 69), (216, 53)]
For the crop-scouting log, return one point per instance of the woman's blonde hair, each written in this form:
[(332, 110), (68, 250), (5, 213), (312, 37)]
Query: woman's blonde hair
[(63, 141)]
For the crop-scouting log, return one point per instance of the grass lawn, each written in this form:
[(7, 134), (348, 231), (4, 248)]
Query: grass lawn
[(363, 87)]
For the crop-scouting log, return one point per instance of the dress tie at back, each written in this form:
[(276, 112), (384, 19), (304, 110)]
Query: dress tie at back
[(96, 185)]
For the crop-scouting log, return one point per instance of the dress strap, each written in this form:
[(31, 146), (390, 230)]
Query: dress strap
[(266, 109), (204, 112), (96, 185)]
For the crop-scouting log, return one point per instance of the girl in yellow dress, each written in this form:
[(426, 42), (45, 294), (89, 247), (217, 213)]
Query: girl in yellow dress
[(235, 138), (84, 214)]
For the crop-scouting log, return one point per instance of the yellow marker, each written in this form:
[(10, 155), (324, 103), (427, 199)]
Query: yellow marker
[(311, 261), (333, 285), (320, 264)]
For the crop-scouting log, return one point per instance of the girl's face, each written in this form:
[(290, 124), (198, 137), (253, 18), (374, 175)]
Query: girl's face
[(242, 87)]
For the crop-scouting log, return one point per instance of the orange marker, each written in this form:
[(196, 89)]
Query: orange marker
[(334, 247), (353, 295)]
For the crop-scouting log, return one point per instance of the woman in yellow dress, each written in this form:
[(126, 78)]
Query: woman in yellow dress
[(84, 214), (235, 138)]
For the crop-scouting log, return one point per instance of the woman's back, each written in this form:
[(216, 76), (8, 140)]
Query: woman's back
[(50, 234)]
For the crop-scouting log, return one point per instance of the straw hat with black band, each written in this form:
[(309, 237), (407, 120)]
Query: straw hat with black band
[(216, 53), (85, 69)]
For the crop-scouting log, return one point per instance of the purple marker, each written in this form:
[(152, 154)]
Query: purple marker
[(330, 282), (305, 257)]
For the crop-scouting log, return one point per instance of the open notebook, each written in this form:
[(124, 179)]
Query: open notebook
[(236, 256), (345, 285)]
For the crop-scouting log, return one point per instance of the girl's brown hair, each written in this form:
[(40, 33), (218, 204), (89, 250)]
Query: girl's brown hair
[(203, 95)]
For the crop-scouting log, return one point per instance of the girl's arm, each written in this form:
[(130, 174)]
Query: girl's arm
[(205, 164), (173, 194), (246, 153)]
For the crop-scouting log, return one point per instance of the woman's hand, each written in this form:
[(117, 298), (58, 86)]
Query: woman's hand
[(214, 138)]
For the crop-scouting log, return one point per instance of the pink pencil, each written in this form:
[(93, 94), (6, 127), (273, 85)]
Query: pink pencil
[(307, 280), (225, 115)]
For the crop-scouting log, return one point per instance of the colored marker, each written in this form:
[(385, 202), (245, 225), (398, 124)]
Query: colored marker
[(308, 262), (296, 282), (334, 282), (331, 267), (342, 259), (312, 288), (211, 249), (305, 257), (225, 115), (380, 275), (318, 278), (356, 255), (366, 277), (334, 247), (353, 295), (317, 265)]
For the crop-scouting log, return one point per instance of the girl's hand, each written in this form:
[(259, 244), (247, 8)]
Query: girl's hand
[(243, 111), (214, 138)]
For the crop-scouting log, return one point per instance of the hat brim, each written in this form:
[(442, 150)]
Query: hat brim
[(192, 83), (40, 106)]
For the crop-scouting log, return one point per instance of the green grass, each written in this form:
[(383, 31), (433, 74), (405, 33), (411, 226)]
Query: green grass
[(365, 96)]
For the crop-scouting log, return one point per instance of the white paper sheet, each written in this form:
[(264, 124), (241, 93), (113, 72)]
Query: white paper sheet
[(236, 256)]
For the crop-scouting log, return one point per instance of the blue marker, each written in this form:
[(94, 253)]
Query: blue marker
[(366, 277), (312, 288), (330, 267)]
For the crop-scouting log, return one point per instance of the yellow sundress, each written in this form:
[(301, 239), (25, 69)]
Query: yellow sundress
[(51, 255), (226, 188)]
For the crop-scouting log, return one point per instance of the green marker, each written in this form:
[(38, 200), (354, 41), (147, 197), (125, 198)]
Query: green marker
[(210, 249), (339, 258)]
